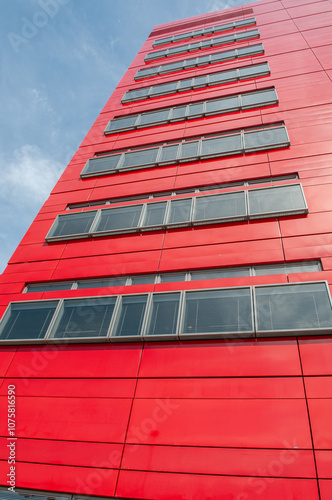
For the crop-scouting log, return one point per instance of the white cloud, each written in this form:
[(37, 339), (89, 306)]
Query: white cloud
[(29, 176)]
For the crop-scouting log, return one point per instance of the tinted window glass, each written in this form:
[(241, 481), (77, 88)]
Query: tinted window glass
[(102, 164), (169, 153), (119, 218), (189, 150), (156, 116), (9, 495), (179, 113), (170, 278), (84, 318), (49, 287), (130, 316), (222, 105), (218, 311), (259, 98), (220, 206), (259, 139), (277, 199), (179, 211), (120, 123), (164, 314), (220, 145), (145, 157), (78, 223), (101, 283), (154, 214), (293, 307), (27, 321), (223, 273), (143, 280)]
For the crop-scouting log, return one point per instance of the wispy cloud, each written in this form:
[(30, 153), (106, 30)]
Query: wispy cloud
[(29, 176)]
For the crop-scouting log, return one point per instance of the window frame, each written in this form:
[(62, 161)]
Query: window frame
[(290, 331), (165, 225)]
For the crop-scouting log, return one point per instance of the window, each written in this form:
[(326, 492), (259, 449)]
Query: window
[(163, 318), (211, 42), (233, 75), (275, 200), (199, 61), (27, 320), (281, 309), (83, 318), (303, 307), (210, 312), (66, 225), (199, 189), (245, 141), (130, 316), (195, 275), (194, 110), (263, 202), (205, 31), (33, 495)]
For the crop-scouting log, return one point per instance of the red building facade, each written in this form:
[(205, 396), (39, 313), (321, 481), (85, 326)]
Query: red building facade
[(166, 320)]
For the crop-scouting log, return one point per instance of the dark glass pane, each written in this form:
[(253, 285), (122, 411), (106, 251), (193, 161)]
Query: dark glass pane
[(222, 145), (223, 40), (182, 36), (102, 164), (273, 269), (206, 43), (223, 56), (180, 211), (171, 278), (164, 314), (164, 88), (143, 73), (69, 225), (163, 41), (200, 81), (155, 117), (130, 316), (223, 27), (84, 318), (185, 84), (143, 280), (101, 283), (143, 157), (218, 311), (220, 274), (200, 61), (277, 199), (269, 137), (245, 22), (169, 153), (154, 214), (223, 76), (293, 307), (119, 218), (222, 105), (156, 55), (10, 495), (255, 70), (168, 68), (189, 150), (247, 51), (25, 321), (121, 123), (135, 94), (304, 267), (49, 287), (178, 50), (220, 206), (259, 98), (194, 46), (246, 35), (196, 109), (179, 113)]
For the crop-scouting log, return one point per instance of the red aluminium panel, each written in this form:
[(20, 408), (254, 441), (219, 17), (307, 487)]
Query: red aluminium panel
[(193, 487), (248, 358), (268, 423), (224, 461)]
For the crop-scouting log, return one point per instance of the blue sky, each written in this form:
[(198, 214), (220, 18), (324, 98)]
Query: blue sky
[(60, 60)]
